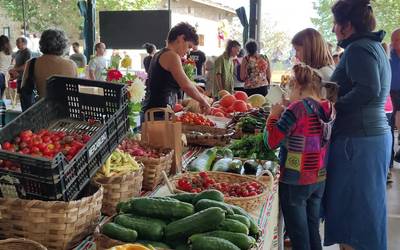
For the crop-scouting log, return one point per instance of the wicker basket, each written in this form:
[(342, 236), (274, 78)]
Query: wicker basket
[(211, 139), (20, 244), (55, 224), (119, 188), (153, 168), (247, 203)]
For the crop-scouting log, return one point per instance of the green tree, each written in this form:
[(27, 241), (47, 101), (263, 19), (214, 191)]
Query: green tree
[(63, 14), (387, 13)]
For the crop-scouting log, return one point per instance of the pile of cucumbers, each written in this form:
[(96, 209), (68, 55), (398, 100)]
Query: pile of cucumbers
[(184, 221)]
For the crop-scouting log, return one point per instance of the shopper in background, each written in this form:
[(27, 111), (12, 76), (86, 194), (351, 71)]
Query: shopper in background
[(151, 50), (255, 71), (301, 131), (98, 64), (199, 58), (224, 68), (395, 84), (78, 57), (53, 44), (238, 84), (359, 153), (312, 50), (5, 63), (20, 58)]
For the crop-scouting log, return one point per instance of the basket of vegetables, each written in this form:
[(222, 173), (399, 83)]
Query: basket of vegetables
[(240, 190), (154, 161), (249, 123), (183, 221), (121, 177)]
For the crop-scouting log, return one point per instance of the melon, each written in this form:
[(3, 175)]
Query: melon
[(239, 106), (227, 101), (240, 95), (256, 100)]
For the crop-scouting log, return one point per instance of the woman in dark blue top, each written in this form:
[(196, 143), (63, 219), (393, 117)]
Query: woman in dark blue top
[(359, 154)]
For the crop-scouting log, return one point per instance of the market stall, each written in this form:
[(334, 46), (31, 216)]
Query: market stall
[(94, 184)]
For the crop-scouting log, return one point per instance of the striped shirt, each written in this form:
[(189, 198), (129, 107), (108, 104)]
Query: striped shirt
[(299, 133)]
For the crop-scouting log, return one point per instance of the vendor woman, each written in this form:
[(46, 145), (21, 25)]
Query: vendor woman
[(166, 75)]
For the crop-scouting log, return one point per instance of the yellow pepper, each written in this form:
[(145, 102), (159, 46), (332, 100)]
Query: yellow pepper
[(130, 247)]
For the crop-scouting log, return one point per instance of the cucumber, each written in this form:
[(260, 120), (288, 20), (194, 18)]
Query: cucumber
[(160, 208), (224, 153), (222, 165), (206, 203), (164, 198), (209, 194), (212, 243), (147, 228), (123, 207), (254, 230), (233, 226), (204, 221), (204, 161), (184, 197), (242, 241), (240, 218), (154, 244), (118, 232)]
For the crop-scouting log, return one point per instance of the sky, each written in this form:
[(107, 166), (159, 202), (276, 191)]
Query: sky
[(290, 16)]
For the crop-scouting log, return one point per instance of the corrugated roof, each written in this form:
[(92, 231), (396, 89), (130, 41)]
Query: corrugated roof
[(216, 5)]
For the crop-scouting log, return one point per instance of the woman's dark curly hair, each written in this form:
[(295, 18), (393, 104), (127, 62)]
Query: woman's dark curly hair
[(53, 42)]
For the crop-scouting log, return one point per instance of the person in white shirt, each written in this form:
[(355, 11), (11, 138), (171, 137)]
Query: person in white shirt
[(5, 62), (98, 64)]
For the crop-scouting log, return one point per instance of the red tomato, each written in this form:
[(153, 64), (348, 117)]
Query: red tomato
[(240, 95), (240, 106), (6, 145), (227, 101)]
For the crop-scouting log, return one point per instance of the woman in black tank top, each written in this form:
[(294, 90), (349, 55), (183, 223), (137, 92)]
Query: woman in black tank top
[(166, 76)]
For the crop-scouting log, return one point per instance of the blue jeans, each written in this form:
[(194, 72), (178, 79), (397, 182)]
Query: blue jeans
[(301, 211)]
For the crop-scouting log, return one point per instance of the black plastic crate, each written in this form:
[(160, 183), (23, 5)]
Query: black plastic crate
[(69, 107)]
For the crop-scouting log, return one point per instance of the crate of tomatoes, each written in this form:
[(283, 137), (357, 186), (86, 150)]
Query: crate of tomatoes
[(52, 150)]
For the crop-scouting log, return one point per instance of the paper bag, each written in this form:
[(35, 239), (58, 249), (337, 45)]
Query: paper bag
[(165, 133)]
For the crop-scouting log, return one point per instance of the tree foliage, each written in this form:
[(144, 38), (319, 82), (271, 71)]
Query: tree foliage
[(274, 43), (387, 13)]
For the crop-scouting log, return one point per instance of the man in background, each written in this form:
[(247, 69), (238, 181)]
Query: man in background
[(20, 58), (199, 58), (78, 57), (98, 64)]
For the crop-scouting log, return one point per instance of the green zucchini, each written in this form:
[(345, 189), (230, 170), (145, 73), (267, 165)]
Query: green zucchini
[(200, 222), (147, 228), (204, 161), (118, 232), (235, 167), (160, 208), (242, 241), (155, 244), (254, 229), (206, 203), (240, 218), (222, 165), (250, 167), (212, 243), (184, 197), (209, 194), (224, 153), (233, 226)]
